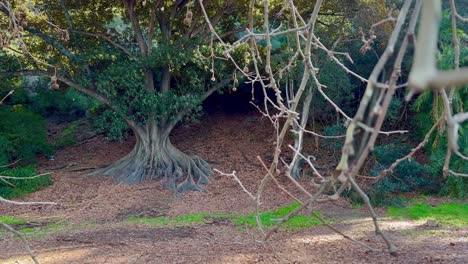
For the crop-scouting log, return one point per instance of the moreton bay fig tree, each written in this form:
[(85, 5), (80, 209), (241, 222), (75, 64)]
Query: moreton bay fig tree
[(152, 62)]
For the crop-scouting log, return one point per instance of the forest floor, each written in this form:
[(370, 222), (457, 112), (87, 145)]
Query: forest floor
[(91, 224)]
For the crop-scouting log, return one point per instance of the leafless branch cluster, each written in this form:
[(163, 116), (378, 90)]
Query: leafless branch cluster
[(5, 179), (364, 128)]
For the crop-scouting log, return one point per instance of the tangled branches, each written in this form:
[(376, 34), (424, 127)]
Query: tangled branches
[(362, 129)]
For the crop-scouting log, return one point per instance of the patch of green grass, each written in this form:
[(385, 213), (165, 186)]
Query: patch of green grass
[(183, 220), (455, 214), (270, 218), (36, 232), (28, 230), (11, 220)]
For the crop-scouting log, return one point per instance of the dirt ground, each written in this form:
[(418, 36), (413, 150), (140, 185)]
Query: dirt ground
[(92, 211)]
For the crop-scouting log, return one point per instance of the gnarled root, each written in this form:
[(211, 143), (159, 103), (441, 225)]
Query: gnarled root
[(159, 159)]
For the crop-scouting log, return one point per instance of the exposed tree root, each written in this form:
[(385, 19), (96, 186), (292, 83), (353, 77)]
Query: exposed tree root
[(156, 158)]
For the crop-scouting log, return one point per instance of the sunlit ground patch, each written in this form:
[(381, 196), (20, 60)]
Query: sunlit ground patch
[(454, 214)]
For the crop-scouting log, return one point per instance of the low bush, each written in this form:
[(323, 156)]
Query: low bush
[(19, 186), (408, 176), (23, 135), (109, 123)]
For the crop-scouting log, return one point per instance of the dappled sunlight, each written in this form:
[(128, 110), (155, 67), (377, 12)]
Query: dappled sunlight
[(317, 238), (237, 258), (54, 257), (400, 225)]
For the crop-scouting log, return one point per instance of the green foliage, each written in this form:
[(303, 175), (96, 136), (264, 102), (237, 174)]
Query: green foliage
[(23, 135), (429, 108), (10, 188), (455, 214), (456, 187), (123, 82), (35, 95), (394, 111), (408, 176), (339, 88), (110, 123), (333, 143), (68, 103)]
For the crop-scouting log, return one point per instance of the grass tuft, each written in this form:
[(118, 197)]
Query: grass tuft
[(270, 218), (11, 220), (454, 214), (178, 221)]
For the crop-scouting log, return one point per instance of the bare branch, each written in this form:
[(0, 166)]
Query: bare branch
[(3, 200), (23, 239), (233, 175)]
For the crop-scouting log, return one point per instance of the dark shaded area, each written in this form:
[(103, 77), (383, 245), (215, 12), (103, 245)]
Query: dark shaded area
[(238, 101)]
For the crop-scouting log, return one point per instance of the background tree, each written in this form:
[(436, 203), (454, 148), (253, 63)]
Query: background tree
[(151, 62)]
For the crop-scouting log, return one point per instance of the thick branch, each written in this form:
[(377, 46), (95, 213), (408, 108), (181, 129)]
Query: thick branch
[(73, 85), (67, 14), (130, 6)]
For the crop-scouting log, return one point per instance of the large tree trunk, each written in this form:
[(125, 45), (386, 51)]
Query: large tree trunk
[(154, 157)]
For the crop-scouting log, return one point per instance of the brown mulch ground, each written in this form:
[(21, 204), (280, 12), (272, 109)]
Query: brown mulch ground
[(93, 209)]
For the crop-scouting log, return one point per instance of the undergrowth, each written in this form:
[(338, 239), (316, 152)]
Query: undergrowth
[(455, 214), (19, 186)]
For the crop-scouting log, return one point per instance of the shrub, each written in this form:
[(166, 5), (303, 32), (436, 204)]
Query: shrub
[(10, 188), (333, 143), (408, 176), (23, 135), (456, 187), (65, 104), (110, 123)]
